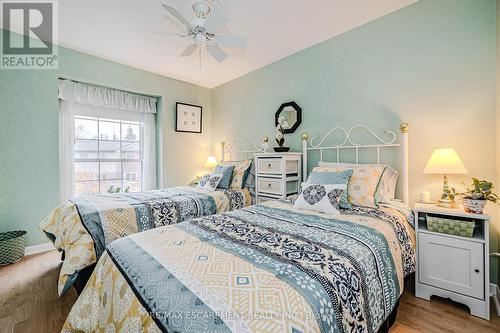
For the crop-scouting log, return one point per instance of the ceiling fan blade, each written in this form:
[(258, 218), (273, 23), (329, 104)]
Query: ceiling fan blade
[(217, 53), (167, 33), (178, 25), (189, 50), (176, 14), (216, 20), (231, 41)]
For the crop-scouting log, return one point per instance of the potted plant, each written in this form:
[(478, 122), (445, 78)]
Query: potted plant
[(112, 189), (280, 136), (477, 195)]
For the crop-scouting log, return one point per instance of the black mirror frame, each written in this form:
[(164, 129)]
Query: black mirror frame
[(297, 108)]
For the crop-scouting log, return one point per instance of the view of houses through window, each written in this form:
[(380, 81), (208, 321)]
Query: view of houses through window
[(108, 155)]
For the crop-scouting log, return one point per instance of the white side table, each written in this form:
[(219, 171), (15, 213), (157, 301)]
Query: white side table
[(452, 266)]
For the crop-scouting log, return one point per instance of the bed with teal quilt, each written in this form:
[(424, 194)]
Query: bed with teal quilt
[(82, 227), (263, 268)]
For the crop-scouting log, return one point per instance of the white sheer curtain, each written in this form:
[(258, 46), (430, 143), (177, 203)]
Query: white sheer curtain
[(66, 150), (149, 151), (87, 100)]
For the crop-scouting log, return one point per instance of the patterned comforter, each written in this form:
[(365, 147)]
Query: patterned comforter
[(264, 268), (82, 227)]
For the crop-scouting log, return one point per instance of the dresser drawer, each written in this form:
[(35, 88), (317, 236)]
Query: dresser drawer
[(269, 165), (452, 264), (270, 185), (261, 199)]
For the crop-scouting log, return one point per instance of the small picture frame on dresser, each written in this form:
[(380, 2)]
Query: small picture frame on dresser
[(188, 118)]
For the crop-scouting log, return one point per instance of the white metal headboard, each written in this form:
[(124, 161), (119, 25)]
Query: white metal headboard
[(233, 151), (349, 143)]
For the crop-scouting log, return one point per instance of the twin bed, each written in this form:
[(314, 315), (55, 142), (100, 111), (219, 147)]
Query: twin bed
[(265, 268), (83, 226)]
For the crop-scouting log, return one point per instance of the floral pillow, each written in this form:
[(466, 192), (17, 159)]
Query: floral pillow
[(363, 185), (210, 182), (320, 198), (388, 181)]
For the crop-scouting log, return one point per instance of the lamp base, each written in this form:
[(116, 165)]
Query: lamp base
[(447, 203)]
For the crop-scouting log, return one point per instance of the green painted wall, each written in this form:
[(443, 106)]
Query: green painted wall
[(29, 171), (431, 64), (498, 121)]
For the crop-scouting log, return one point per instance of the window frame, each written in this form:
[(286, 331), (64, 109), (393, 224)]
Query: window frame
[(98, 119)]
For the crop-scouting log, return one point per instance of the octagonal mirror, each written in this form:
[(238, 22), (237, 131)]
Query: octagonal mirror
[(292, 117)]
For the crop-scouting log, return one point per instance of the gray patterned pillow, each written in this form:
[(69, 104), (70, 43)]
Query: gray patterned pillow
[(212, 182), (321, 198), (203, 180)]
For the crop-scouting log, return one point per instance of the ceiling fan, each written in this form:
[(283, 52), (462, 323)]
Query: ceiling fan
[(203, 30)]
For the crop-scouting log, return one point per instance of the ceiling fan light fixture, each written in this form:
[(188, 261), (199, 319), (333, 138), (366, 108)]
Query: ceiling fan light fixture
[(202, 32), (201, 8)]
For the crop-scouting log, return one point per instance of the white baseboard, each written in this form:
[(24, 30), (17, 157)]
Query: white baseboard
[(39, 248), (495, 293)]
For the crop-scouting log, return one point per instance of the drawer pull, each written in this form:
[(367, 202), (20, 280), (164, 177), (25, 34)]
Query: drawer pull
[(269, 185), (269, 166), (476, 270)]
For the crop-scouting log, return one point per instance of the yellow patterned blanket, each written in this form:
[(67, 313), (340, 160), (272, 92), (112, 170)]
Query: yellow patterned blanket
[(264, 268), (82, 227)]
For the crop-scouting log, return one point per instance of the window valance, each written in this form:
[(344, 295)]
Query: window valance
[(105, 97)]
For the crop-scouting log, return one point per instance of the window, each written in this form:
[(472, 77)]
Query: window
[(107, 140), (107, 155)]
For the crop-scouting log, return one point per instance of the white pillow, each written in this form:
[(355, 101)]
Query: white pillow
[(210, 182), (320, 198), (388, 181)]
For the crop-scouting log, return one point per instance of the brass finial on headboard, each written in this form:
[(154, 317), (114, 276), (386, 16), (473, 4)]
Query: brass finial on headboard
[(404, 127), (304, 136), (265, 139)]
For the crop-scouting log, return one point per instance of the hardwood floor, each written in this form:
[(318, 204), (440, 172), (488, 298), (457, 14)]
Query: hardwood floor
[(440, 315), (28, 295), (29, 303)]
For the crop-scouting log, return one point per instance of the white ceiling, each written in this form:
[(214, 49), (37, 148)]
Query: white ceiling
[(121, 30)]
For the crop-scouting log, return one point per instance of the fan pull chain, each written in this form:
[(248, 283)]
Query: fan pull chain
[(200, 57)]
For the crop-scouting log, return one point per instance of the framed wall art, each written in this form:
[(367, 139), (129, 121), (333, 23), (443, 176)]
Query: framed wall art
[(188, 118)]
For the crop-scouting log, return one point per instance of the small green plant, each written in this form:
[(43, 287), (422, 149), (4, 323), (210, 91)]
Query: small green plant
[(480, 190), (117, 189)]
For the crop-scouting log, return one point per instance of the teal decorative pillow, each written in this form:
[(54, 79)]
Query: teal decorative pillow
[(227, 175), (329, 178)]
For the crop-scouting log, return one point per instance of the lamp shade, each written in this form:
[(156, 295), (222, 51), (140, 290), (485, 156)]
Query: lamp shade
[(211, 162), (445, 161)]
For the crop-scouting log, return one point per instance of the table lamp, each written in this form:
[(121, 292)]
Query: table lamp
[(211, 162), (445, 161)]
